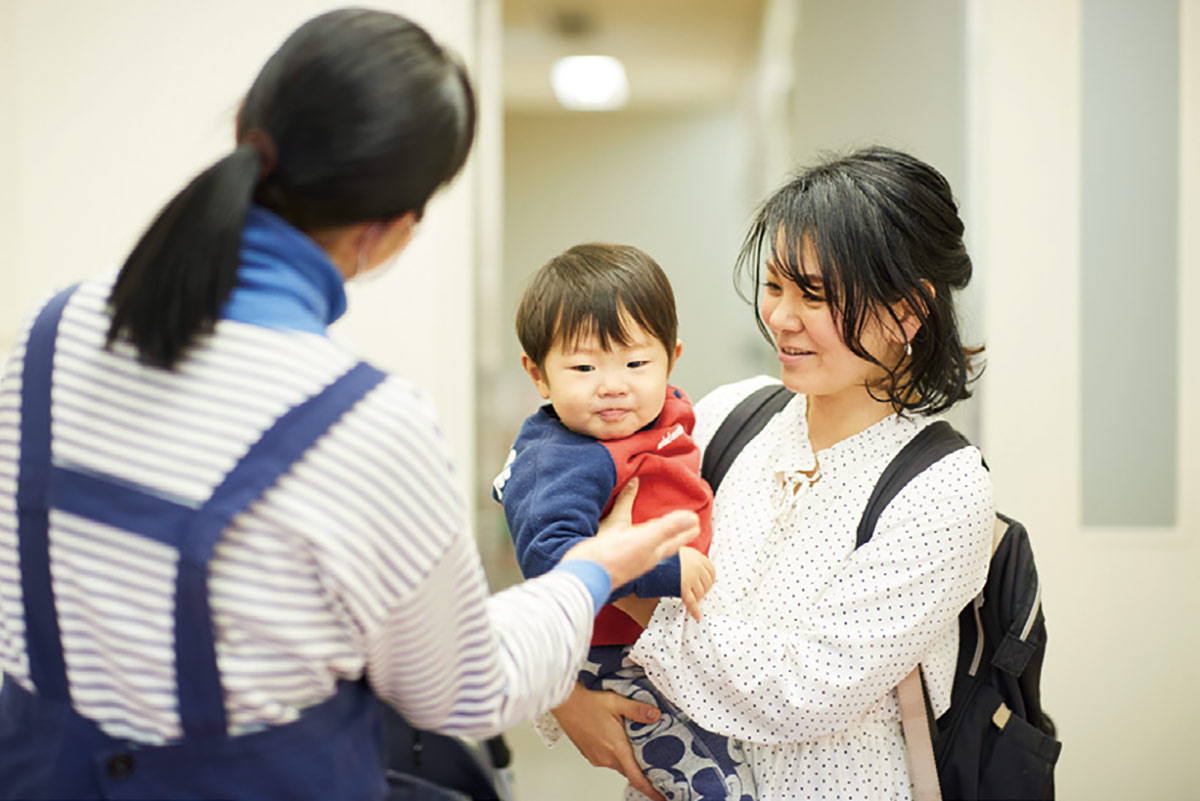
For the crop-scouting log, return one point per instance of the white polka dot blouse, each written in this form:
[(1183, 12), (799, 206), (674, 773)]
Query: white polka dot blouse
[(803, 638)]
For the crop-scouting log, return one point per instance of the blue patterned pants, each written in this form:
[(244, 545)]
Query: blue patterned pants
[(683, 761)]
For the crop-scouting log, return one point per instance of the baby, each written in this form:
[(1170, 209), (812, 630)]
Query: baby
[(597, 325)]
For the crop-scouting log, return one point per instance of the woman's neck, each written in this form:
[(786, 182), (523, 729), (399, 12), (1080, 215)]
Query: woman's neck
[(833, 418)]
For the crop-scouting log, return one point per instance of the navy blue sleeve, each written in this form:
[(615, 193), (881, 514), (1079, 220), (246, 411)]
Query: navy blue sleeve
[(554, 490), (661, 582)]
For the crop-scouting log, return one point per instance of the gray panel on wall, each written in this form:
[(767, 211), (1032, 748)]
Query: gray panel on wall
[(1130, 221)]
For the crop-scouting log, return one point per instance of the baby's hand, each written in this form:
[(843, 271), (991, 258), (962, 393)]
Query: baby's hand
[(696, 577)]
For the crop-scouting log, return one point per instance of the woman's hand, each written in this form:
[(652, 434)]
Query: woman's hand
[(627, 551), (594, 721)]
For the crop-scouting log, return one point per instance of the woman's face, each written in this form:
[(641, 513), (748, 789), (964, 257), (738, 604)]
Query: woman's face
[(808, 338)]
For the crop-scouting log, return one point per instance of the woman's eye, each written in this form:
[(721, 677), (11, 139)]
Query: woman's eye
[(772, 287)]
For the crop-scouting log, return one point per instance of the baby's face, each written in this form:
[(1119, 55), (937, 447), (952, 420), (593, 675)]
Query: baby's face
[(606, 394)]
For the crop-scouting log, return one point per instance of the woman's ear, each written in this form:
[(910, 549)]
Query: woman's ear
[(384, 239), (908, 318), (536, 375)]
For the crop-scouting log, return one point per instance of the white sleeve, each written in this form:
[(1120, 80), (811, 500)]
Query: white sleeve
[(794, 678)]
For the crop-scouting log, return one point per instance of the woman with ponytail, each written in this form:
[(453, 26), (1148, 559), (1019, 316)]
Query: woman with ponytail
[(222, 536)]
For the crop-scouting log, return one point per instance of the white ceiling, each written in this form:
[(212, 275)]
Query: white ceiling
[(677, 53)]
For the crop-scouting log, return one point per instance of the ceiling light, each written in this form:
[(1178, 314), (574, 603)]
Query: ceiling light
[(590, 83)]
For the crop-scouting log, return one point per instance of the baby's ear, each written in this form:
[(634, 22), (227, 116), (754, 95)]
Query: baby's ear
[(536, 375), (673, 355)]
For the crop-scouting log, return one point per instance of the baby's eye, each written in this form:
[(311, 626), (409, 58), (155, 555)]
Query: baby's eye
[(639, 363), (582, 368)]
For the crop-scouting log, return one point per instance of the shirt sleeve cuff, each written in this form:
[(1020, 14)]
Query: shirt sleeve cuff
[(547, 728), (593, 576)]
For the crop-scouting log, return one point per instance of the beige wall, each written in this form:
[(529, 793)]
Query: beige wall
[(871, 72), (10, 274), (674, 183), (111, 107), (1119, 672), (993, 98), (671, 183)]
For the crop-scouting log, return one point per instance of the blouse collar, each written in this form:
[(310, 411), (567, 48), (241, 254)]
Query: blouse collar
[(284, 279), (795, 453)]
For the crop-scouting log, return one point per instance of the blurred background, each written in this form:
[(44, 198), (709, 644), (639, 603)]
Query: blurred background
[(1070, 130)]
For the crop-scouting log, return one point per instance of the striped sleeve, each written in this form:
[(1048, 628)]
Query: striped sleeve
[(447, 655), (454, 660)]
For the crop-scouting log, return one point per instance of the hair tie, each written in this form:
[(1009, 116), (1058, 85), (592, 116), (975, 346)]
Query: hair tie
[(264, 146)]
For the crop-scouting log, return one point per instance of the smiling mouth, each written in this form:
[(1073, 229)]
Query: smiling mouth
[(795, 352)]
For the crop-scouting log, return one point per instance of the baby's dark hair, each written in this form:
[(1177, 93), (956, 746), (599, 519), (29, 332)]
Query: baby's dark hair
[(595, 289), (886, 231)]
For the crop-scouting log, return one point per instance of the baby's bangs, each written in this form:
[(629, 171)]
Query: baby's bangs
[(599, 317)]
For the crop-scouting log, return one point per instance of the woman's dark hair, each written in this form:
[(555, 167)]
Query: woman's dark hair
[(886, 232), (588, 290), (358, 116)]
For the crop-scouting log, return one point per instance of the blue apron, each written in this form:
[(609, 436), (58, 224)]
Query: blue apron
[(48, 750)]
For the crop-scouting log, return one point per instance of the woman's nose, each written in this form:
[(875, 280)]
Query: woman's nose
[(784, 315)]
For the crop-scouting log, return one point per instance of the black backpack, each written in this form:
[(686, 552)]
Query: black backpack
[(427, 766), (994, 742)]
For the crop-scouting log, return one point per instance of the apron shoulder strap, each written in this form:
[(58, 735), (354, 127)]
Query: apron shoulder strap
[(40, 485), (43, 642), (201, 699)]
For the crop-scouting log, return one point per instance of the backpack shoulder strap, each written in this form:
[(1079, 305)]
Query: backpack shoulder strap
[(739, 427), (916, 717), (932, 443)]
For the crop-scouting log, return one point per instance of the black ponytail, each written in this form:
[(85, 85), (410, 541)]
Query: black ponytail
[(359, 116), (184, 267)]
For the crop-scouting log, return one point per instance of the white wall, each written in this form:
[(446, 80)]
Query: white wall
[(1119, 671), (109, 108)]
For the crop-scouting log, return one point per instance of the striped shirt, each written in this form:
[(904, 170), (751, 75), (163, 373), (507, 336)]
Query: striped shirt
[(357, 562)]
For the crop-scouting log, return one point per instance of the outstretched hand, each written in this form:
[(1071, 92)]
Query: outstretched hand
[(627, 551)]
